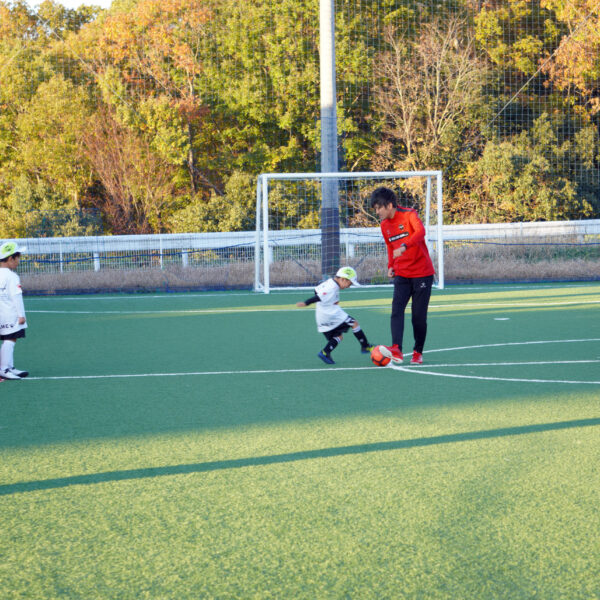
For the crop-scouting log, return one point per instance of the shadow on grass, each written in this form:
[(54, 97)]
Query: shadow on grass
[(131, 474)]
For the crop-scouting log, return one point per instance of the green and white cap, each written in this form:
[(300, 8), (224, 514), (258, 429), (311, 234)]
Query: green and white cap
[(348, 273), (9, 248)]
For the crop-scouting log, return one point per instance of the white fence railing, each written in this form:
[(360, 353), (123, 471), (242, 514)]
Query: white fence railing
[(197, 249), (511, 232)]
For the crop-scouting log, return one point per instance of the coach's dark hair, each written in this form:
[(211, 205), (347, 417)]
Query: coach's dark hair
[(383, 196)]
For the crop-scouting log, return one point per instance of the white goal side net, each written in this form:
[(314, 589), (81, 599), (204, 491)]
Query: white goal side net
[(295, 250)]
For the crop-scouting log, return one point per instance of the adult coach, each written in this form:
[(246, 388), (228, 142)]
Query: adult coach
[(410, 265)]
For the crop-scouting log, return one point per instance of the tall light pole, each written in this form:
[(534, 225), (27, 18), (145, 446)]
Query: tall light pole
[(330, 223)]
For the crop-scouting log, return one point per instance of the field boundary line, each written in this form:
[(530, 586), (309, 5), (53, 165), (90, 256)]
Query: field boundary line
[(178, 295), (410, 369), (198, 373), (243, 310)]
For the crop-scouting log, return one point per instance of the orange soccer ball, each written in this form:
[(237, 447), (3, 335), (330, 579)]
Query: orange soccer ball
[(379, 359)]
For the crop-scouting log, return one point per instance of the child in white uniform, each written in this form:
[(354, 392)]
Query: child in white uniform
[(332, 320), (12, 311)]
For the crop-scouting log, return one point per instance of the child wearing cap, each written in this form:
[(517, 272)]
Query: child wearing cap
[(332, 321), (12, 310)]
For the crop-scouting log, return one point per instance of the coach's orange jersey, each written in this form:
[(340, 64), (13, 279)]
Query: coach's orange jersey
[(405, 227)]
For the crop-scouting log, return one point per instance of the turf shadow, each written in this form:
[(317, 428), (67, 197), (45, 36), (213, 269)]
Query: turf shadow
[(132, 474)]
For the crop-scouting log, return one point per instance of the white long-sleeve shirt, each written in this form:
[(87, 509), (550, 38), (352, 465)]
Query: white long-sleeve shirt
[(11, 302), (328, 312)]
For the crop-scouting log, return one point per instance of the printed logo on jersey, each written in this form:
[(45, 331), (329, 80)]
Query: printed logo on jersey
[(393, 238)]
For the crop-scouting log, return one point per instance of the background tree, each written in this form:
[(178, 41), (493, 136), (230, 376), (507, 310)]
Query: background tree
[(137, 182), (160, 115), (430, 97), (41, 116), (576, 62), (546, 57), (517, 180)]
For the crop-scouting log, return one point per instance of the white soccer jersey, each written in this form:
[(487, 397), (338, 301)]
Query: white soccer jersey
[(328, 312), (11, 302)]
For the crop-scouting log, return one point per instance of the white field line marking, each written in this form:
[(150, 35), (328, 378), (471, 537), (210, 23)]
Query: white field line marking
[(453, 375), (181, 295), (208, 311), (212, 311), (193, 373), (322, 370), (478, 377), (411, 369), (192, 311), (508, 364), (512, 344), (165, 296)]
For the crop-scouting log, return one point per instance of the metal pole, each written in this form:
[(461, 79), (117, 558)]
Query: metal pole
[(440, 232), (257, 284), (330, 223), (266, 253), (428, 212)]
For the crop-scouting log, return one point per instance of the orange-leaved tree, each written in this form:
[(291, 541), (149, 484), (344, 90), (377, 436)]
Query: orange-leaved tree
[(145, 59), (575, 66)]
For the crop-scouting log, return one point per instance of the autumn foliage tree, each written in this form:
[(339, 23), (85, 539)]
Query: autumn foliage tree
[(575, 67), (159, 114), (137, 182)]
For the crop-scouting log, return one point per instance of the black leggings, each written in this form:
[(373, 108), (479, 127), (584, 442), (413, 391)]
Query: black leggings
[(419, 288)]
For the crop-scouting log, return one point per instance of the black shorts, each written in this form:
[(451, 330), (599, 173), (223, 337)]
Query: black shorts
[(13, 336), (341, 328)]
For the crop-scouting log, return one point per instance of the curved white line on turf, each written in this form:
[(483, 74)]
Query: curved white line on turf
[(411, 369), (420, 370), (513, 344), (454, 375), (511, 364)]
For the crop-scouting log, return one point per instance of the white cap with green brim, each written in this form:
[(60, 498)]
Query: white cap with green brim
[(348, 273), (9, 248)]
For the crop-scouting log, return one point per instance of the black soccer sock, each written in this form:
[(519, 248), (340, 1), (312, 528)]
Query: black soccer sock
[(331, 344), (359, 334)]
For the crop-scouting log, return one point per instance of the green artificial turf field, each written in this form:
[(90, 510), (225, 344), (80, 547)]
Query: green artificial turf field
[(193, 446)]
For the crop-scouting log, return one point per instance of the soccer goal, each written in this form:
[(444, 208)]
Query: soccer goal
[(301, 239)]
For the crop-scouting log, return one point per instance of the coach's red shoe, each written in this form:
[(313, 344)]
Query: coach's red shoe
[(392, 352), (417, 358)]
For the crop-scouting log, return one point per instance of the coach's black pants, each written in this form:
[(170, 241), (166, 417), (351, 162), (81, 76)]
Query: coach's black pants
[(419, 289)]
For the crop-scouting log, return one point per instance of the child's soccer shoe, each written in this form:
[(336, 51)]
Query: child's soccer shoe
[(366, 349), (326, 358), (417, 358), (392, 352), (19, 373), (9, 375)]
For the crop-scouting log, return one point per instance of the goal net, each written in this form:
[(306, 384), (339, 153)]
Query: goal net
[(300, 242)]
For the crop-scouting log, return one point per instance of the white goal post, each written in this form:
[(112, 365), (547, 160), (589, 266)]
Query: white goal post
[(289, 238)]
